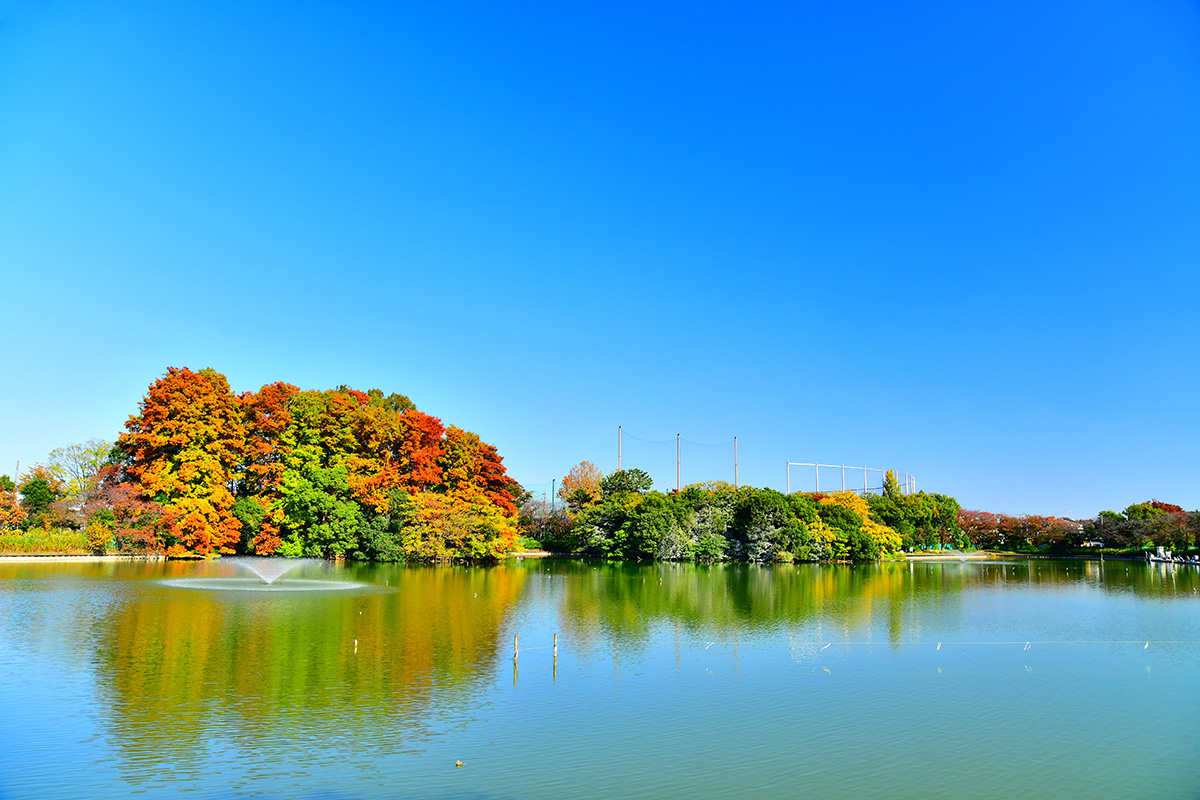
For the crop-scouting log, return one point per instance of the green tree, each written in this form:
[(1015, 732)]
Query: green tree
[(79, 464), (626, 480), (1143, 511)]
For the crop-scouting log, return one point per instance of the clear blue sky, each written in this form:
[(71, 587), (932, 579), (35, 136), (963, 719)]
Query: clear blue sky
[(961, 240)]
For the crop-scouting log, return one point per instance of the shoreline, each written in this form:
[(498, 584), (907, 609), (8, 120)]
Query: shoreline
[(943, 557), (82, 558)]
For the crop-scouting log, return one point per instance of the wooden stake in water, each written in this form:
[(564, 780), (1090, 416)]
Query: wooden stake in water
[(516, 641)]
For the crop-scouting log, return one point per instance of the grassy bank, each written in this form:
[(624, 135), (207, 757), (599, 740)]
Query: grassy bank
[(59, 541)]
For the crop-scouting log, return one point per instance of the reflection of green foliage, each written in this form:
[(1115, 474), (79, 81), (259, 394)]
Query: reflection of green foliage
[(630, 601), (369, 665)]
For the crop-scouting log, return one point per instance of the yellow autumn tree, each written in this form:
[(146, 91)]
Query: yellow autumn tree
[(887, 539)]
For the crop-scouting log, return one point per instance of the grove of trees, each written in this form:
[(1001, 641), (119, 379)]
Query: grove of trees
[(201, 470), (1139, 526), (620, 516)]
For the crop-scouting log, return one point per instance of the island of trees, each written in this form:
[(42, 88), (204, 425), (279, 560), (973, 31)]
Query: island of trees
[(200, 471)]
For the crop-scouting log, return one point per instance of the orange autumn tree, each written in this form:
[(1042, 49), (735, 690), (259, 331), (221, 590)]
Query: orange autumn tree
[(184, 448), (581, 486), (470, 465), (11, 513)]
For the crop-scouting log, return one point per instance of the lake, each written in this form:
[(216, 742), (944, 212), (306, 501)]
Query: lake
[(1029, 678)]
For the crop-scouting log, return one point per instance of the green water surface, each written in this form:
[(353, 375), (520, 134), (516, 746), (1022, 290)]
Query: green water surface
[(902, 680)]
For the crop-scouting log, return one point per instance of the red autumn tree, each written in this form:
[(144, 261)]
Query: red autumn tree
[(419, 449)]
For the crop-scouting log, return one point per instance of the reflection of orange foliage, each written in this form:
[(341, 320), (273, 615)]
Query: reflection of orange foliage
[(347, 662)]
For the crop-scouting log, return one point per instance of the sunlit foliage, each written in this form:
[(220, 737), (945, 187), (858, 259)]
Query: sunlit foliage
[(317, 473)]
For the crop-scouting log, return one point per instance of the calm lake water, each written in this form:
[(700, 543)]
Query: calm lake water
[(980, 679)]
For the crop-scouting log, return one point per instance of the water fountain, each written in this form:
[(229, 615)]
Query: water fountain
[(268, 577)]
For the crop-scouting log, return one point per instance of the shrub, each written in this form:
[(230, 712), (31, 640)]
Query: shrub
[(98, 535)]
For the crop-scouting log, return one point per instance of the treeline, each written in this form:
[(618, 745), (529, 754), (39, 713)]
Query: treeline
[(620, 516), (201, 470), (1141, 525)]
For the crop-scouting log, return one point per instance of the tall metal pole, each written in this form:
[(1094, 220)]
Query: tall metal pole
[(817, 473), (618, 448), (735, 462), (864, 481), (677, 463), (789, 477), (843, 477)]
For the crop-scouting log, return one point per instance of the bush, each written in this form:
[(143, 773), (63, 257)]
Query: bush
[(861, 547), (99, 536), (137, 541), (711, 546)]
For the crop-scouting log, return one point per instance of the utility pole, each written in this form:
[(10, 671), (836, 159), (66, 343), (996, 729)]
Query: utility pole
[(618, 448), (677, 463), (735, 462)]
